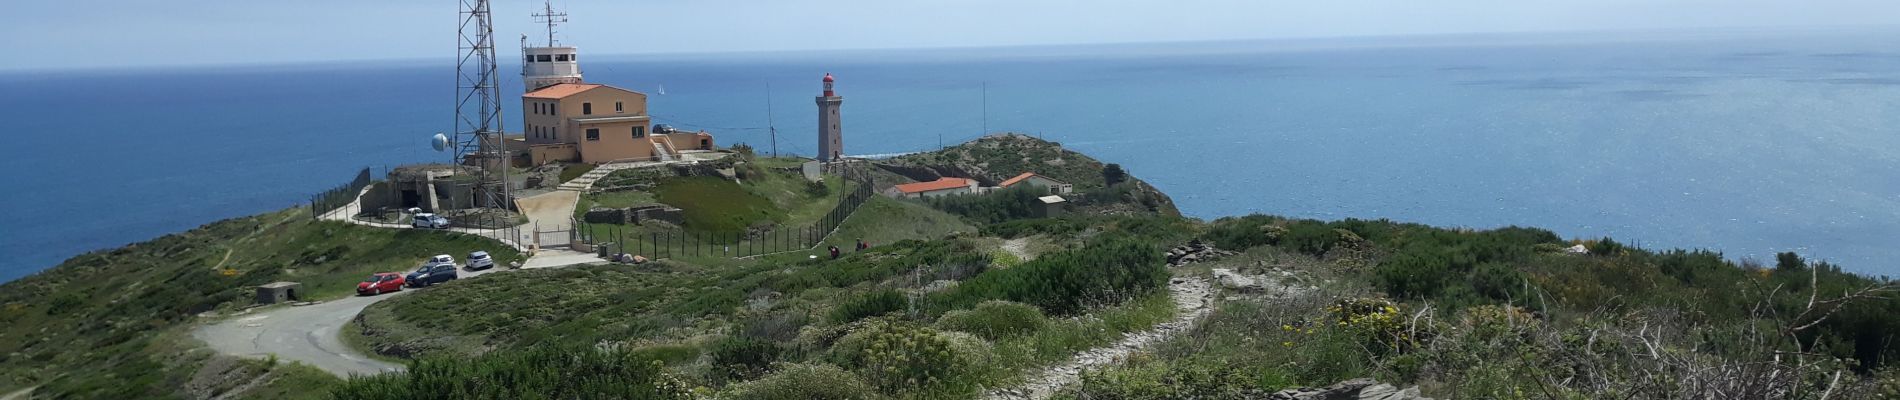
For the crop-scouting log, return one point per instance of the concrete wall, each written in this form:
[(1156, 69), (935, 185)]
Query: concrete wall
[(381, 195), (616, 141), (546, 153), (1049, 186)]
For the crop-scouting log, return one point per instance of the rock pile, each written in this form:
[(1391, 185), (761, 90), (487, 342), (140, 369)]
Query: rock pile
[(1194, 252), (1356, 389)]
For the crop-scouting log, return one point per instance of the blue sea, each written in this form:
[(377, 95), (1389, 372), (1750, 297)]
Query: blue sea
[(1746, 142)]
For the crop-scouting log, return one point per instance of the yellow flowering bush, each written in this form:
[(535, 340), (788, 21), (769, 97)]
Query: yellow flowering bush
[(1378, 320)]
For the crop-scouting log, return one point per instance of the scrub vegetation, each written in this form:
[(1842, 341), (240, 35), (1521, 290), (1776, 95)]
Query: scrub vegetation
[(113, 324), (941, 307)]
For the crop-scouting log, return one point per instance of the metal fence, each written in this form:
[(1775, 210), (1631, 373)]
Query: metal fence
[(611, 239), (330, 200)]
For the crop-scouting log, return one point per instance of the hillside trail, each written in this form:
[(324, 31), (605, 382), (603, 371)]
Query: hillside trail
[(1193, 298), (19, 394), (1018, 247)]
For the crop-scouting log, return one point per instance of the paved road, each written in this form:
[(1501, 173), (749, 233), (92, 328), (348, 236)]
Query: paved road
[(309, 334)]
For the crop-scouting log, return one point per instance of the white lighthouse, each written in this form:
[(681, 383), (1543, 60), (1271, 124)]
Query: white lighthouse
[(544, 66)]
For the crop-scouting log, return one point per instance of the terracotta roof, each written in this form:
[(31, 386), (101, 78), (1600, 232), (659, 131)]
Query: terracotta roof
[(932, 186), (1019, 178), (561, 90)]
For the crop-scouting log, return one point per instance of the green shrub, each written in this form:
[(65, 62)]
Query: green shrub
[(1194, 378), (869, 304), (540, 372), (994, 319), (998, 206), (804, 382), (901, 358), (742, 358), (817, 189), (1067, 282)]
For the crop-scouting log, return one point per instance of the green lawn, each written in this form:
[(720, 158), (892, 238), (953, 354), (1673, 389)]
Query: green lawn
[(780, 162), (575, 171), (615, 199), (715, 205)]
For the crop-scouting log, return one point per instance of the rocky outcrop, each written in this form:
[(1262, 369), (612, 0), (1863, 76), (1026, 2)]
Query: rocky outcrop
[(1194, 252), (992, 159), (1356, 389)]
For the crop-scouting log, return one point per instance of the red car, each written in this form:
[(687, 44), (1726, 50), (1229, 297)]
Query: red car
[(379, 283)]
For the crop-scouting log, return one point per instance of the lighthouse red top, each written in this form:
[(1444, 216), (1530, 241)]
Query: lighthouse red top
[(828, 80)]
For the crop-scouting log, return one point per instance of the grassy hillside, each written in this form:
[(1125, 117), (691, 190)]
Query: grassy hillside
[(1506, 313), (735, 328), (111, 324)]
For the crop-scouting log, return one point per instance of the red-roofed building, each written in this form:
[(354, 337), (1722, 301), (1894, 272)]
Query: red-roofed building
[(1052, 186), (594, 123), (937, 188)]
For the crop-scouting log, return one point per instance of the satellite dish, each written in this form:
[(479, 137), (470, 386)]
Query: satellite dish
[(440, 142)]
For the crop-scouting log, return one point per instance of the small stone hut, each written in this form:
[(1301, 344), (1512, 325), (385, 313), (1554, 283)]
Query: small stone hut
[(278, 292)]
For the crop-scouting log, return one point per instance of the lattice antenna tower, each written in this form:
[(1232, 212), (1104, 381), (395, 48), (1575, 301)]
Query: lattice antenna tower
[(551, 18), (478, 103)]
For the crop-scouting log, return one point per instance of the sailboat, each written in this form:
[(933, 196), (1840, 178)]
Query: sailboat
[(662, 89)]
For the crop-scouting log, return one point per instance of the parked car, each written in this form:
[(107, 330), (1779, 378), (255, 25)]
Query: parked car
[(663, 129), (381, 282), (429, 221), (479, 260), (438, 269)]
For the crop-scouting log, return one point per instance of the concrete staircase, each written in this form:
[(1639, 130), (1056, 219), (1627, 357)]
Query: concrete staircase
[(661, 149), (587, 180)]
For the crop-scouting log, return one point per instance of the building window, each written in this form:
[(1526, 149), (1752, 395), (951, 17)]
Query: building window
[(587, 108), (593, 134), (619, 107), (573, 57), (544, 58), (554, 133), (639, 131), (553, 108), (560, 57), (537, 108), (530, 58)]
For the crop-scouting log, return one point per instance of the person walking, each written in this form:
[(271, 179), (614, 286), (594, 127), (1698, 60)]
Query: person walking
[(834, 252)]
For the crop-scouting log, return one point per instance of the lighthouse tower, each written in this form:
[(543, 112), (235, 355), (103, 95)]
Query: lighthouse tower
[(830, 137), (543, 66)]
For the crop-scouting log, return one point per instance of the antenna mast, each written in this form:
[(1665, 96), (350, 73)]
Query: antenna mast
[(548, 16), (478, 104)]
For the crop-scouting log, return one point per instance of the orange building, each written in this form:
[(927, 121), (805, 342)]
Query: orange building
[(594, 123), (937, 188)]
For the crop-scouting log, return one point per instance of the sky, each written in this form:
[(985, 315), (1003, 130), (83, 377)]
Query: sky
[(146, 33)]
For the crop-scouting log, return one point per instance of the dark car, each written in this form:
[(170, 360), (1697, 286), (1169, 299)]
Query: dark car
[(432, 273), (663, 129)]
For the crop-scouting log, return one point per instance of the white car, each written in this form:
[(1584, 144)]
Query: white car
[(479, 260), (429, 221)]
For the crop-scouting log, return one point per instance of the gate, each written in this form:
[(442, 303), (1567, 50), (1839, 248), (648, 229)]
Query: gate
[(551, 236)]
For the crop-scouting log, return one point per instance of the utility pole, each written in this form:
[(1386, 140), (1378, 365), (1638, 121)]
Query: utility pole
[(769, 126), (986, 108)]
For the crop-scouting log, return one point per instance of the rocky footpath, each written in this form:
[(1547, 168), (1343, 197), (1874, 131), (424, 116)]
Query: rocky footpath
[(1194, 252), (1193, 299), (1356, 389)]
